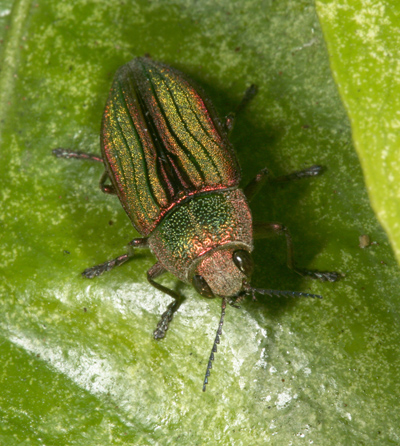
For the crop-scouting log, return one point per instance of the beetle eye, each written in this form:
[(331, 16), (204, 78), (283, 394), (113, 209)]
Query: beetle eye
[(202, 287), (242, 259)]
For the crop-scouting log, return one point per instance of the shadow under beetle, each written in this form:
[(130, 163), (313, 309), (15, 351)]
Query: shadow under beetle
[(168, 159)]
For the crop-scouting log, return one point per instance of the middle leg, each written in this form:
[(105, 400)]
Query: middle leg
[(261, 178), (97, 270)]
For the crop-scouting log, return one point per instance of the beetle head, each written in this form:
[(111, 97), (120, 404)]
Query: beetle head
[(222, 272)]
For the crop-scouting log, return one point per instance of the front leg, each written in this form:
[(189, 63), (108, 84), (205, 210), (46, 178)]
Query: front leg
[(162, 326), (262, 230), (97, 270)]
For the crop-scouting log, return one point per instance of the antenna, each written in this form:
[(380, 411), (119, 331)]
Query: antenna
[(248, 289), (283, 293), (214, 348)]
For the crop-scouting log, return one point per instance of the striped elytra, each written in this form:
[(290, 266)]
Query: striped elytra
[(162, 142)]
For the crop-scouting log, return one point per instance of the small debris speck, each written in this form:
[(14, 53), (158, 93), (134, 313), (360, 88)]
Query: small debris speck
[(364, 240)]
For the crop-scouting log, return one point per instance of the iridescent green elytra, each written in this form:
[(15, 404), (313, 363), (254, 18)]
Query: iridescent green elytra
[(168, 158)]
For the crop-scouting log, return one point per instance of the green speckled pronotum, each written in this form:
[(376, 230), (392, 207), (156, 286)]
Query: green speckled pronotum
[(168, 158)]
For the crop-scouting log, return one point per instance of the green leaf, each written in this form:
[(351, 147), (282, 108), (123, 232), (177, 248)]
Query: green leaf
[(78, 361), (363, 45)]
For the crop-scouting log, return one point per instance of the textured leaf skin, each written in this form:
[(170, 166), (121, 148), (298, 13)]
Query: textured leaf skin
[(288, 371)]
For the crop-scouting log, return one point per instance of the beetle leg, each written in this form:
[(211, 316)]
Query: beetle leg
[(162, 326), (97, 270), (248, 96), (66, 153), (262, 230), (311, 171), (259, 180), (106, 188), (256, 183)]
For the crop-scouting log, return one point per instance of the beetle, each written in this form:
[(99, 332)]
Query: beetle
[(168, 158)]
